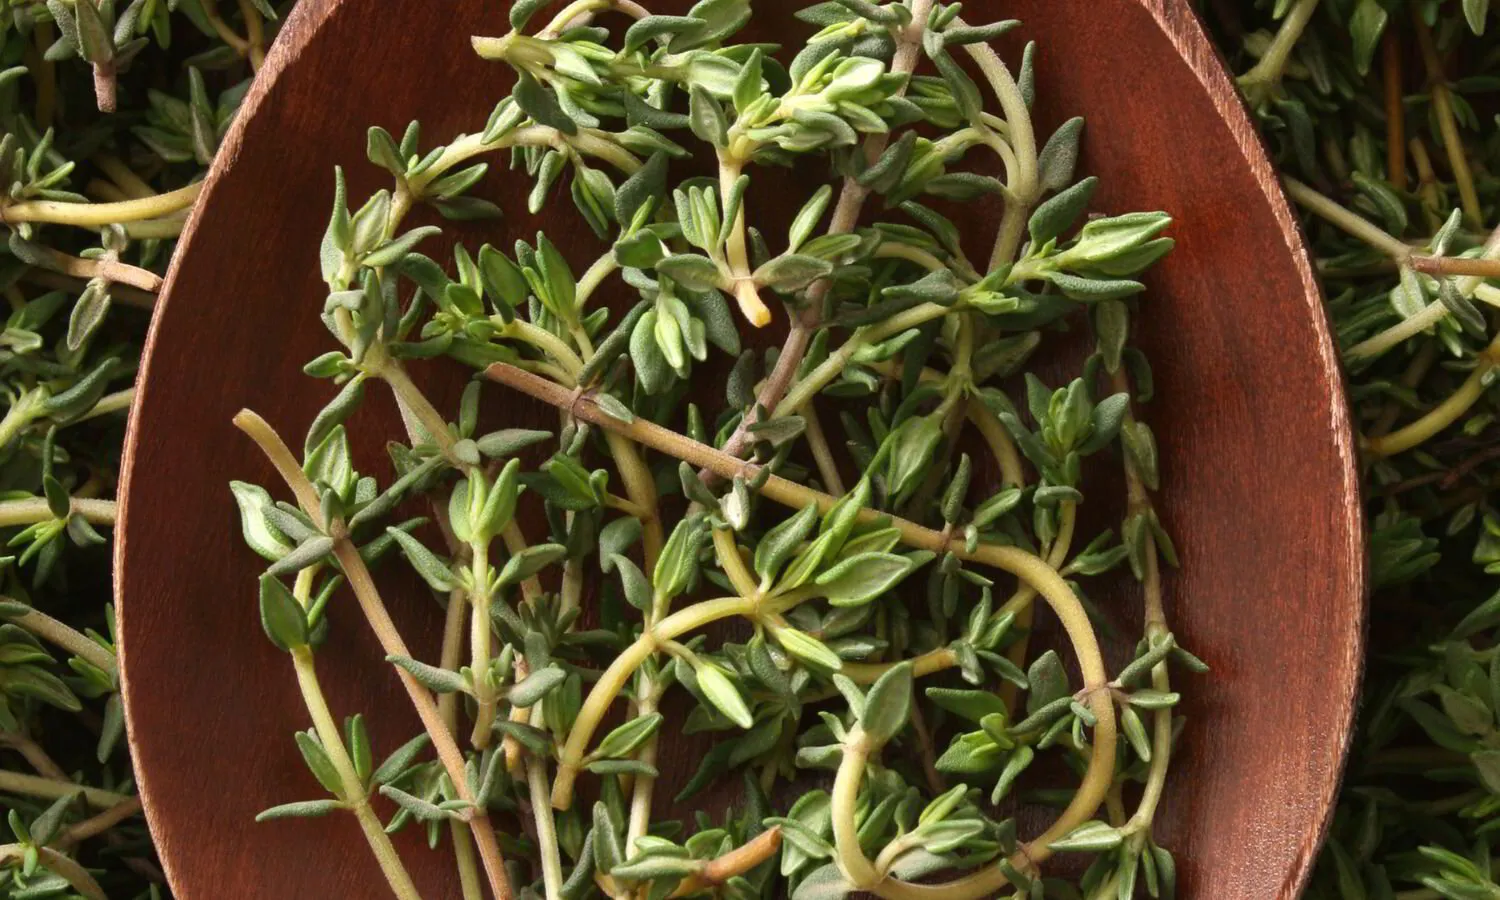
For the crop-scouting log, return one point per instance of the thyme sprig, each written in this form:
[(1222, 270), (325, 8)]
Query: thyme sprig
[(1381, 116), (892, 313)]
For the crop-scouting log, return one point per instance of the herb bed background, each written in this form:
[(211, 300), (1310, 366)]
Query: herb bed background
[(1425, 771)]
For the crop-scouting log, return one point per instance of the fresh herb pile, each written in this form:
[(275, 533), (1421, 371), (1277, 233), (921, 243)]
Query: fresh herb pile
[(888, 584), (1382, 112), (1381, 115), (110, 110)]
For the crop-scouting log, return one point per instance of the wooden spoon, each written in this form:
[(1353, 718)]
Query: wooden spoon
[(1260, 488)]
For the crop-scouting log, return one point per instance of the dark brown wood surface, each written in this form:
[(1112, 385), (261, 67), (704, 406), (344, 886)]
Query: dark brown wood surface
[(1260, 489)]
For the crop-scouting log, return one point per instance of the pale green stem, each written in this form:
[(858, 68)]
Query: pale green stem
[(546, 831), (613, 680), (1442, 415), (53, 789), (355, 795), (96, 215), (44, 626), (34, 509), (481, 640), (837, 361), (66, 868), (378, 617), (1271, 66)]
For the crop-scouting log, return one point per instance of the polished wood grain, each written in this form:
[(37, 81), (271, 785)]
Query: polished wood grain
[(1260, 488)]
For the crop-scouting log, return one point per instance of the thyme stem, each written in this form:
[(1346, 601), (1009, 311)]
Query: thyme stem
[(95, 215), (355, 796), (390, 639), (44, 626)]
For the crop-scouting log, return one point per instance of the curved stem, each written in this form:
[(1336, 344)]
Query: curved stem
[(613, 680), (34, 755), (999, 441), (547, 342), (1097, 779), (733, 564), (67, 869), (1023, 186), (95, 215), (222, 29), (1021, 602), (255, 33), (929, 663), (1024, 565), (1269, 69), (1440, 416), (817, 441)]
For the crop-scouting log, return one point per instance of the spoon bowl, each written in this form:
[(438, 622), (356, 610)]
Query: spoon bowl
[(1258, 461)]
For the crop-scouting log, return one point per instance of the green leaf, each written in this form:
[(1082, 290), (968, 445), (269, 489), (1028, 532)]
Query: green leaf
[(1049, 681), (442, 681), (792, 272), (400, 760), (972, 705), (561, 289), (645, 188), (303, 809), (860, 579), (1477, 13), (888, 704), (1487, 764), (624, 740), (1058, 213), (1093, 290), (808, 649), (502, 279), (282, 617), (535, 686), (541, 104), (1366, 25), (722, 693), (692, 271), (778, 544), (706, 117), (510, 441), (433, 570), (808, 217), (395, 250), (1090, 837), (1059, 157), (318, 762), (424, 811), (262, 536), (531, 561)]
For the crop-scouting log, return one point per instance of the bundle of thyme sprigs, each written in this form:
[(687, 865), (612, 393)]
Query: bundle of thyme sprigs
[(888, 585), (1382, 117), (109, 112)]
